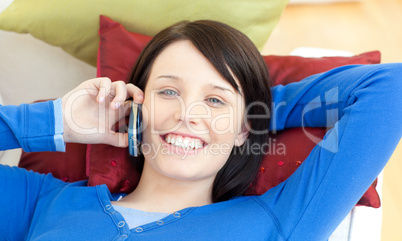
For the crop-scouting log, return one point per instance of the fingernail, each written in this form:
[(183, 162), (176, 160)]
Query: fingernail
[(117, 105), (101, 99), (139, 99)]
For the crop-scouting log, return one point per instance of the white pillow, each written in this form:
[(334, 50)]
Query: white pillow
[(31, 70)]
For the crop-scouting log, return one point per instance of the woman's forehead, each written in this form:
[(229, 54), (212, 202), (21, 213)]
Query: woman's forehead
[(182, 62)]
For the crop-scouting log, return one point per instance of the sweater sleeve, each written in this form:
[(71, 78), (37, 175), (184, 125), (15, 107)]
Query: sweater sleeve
[(32, 127), (362, 104), (20, 192)]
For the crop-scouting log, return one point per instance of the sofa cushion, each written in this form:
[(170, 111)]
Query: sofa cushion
[(73, 24)]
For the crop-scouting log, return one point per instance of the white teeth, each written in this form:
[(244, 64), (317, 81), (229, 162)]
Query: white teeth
[(184, 142), (179, 141), (191, 144), (198, 145)]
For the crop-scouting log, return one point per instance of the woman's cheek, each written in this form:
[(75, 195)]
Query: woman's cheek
[(162, 115), (224, 121)]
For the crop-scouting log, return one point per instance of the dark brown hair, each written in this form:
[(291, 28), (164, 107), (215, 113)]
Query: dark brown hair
[(230, 52)]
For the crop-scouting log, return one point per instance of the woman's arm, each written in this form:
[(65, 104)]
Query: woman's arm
[(84, 115), (20, 190), (39, 127), (31, 127), (363, 104)]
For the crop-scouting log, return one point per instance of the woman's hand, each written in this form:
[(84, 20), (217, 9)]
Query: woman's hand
[(92, 109)]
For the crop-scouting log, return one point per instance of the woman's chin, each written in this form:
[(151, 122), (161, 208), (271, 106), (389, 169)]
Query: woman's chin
[(175, 168)]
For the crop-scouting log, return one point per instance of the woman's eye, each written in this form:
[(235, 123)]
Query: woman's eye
[(215, 101), (168, 92)]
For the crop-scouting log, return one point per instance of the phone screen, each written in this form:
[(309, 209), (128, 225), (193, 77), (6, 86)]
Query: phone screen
[(135, 129)]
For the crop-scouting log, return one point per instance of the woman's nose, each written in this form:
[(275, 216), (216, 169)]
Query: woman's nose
[(193, 112)]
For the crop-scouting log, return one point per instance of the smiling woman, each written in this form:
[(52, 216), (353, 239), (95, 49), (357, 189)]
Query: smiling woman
[(184, 108), (214, 71)]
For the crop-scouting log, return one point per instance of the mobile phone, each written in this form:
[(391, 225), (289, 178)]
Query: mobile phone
[(135, 129)]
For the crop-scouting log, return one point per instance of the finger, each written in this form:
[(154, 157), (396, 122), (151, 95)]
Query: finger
[(104, 88), (124, 110), (136, 93), (119, 88)]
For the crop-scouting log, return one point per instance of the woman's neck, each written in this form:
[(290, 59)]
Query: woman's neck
[(158, 193)]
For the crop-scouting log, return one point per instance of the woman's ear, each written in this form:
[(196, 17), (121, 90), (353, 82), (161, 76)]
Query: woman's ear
[(243, 135)]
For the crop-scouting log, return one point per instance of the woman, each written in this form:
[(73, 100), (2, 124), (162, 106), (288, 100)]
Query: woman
[(206, 89)]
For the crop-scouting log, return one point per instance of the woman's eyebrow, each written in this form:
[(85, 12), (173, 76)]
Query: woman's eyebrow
[(221, 88), (225, 89), (172, 77)]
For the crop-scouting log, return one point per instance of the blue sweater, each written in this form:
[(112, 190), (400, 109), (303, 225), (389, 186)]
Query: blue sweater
[(362, 103)]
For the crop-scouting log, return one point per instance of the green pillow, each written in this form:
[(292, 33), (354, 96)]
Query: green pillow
[(73, 24)]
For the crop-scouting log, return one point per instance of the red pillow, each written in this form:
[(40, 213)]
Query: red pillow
[(68, 166), (118, 51), (288, 149), (287, 69)]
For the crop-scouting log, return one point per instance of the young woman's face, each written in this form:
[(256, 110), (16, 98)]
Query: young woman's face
[(193, 116)]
